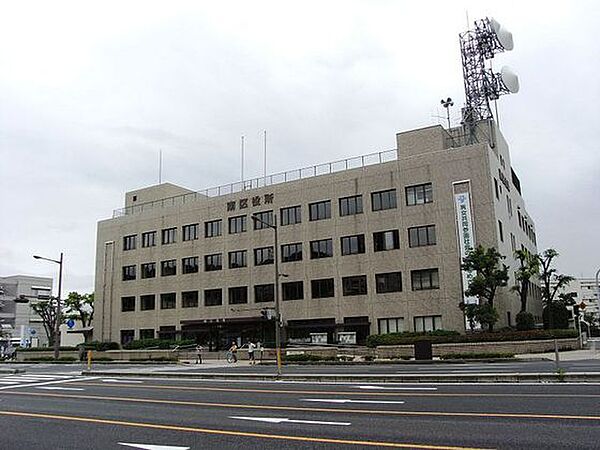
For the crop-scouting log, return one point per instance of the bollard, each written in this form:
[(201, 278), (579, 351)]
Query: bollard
[(89, 360)]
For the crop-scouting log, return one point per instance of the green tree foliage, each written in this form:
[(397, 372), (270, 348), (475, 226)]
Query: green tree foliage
[(529, 267), (80, 307), (548, 276), (525, 321), (46, 309)]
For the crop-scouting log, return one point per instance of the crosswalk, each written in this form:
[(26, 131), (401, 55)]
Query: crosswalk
[(31, 380)]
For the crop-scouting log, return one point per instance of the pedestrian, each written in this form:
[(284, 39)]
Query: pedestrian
[(251, 348), (233, 349), (81, 352), (198, 354), (260, 350)]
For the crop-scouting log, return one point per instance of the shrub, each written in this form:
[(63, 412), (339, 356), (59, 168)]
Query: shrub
[(51, 359), (102, 346), (410, 338), (46, 349), (162, 344), (482, 355), (157, 359), (306, 357), (525, 321)]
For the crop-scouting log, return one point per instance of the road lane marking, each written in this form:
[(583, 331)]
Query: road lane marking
[(305, 409), (398, 388), (286, 420), (58, 388), (156, 426), (337, 400), (114, 380), (152, 447), (14, 386), (9, 382)]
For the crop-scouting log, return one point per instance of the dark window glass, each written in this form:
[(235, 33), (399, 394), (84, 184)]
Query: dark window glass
[(293, 290), (319, 210), (351, 205), (322, 288), (421, 236), (127, 336), (147, 333), (129, 242), (237, 224), (238, 295), (213, 228), (168, 268), (128, 273), (321, 249), (127, 304), (148, 270), (168, 332), (189, 265), (419, 194), (354, 285), (388, 282), (264, 293), (291, 252), (169, 235), (352, 245), (237, 259), (291, 215), (262, 220), (189, 299), (190, 232), (147, 302), (213, 262), (149, 239), (263, 256), (383, 200), (501, 230), (213, 297), (386, 240), (424, 279), (167, 301)]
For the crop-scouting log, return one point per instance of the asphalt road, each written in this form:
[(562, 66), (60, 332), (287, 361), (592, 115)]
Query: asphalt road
[(41, 411)]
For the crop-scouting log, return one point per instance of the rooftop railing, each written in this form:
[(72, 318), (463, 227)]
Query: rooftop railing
[(270, 180)]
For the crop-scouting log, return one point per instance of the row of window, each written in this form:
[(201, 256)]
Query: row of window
[(323, 248), (382, 200), (322, 288)]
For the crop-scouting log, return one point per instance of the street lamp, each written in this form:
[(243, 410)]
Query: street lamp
[(273, 226), (58, 303)]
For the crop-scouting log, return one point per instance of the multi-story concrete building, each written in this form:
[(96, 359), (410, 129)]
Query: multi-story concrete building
[(587, 293), (368, 245), (19, 321)]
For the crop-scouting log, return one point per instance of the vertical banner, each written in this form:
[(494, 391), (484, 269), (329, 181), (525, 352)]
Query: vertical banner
[(466, 237)]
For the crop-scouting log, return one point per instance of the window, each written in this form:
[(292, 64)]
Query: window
[(189, 265), (264, 293), (147, 302), (321, 249), (237, 224), (386, 240), (319, 210), (351, 205), (291, 252), (383, 200), (238, 295), (168, 332), (149, 239), (127, 336), (213, 228), (352, 245), (354, 285), (190, 232), (501, 230), (509, 206), (263, 256), (424, 279), (148, 270), (419, 194), (213, 262), (189, 299), (237, 259), (169, 235), (391, 325), (421, 236), (427, 323), (291, 215), (127, 304), (168, 268), (266, 217), (388, 282), (496, 189), (146, 333), (213, 297), (167, 301), (129, 242), (322, 288), (513, 243), (128, 273), (293, 290)]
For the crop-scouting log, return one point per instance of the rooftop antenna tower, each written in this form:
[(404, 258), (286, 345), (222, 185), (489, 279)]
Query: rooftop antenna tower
[(243, 187), (482, 84)]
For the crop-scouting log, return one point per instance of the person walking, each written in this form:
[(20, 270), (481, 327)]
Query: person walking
[(251, 348), (233, 349), (198, 354)]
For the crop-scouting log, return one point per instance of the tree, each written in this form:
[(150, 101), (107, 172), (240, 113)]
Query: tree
[(529, 267), (490, 274), (81, 307), (46, 309), (552, 282)]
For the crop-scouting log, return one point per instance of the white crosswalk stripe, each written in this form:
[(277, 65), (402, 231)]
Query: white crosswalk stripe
[(26, 380)]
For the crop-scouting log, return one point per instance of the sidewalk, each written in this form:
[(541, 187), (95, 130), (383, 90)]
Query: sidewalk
[(571, 355)]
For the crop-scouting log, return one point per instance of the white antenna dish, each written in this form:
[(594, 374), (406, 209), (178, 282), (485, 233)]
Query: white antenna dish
[(510, 79), (504, 36)]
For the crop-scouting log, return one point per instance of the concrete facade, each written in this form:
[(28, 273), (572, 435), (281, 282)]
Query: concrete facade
[(429, 156)]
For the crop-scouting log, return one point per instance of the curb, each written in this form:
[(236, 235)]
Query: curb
[(547, 377), (11, 371), (405, 362)]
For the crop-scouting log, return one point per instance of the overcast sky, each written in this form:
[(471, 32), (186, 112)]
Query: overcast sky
[(90, 94)]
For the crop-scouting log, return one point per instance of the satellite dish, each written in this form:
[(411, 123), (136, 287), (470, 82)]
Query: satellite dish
[(504, 36), (510, 79)]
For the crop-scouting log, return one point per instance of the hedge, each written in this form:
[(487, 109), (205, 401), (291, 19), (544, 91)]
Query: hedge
[(45, 349), (51, 359), (163, 344), (444, 336)]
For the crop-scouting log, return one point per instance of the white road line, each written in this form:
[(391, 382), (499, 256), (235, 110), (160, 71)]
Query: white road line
[(8, 382), (57, 388), (398, 388), (335, 400), (46, 383), (114, 380), (152, 447), (286, 420)]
